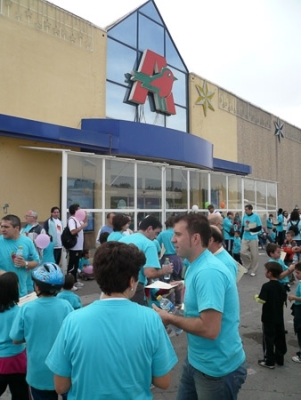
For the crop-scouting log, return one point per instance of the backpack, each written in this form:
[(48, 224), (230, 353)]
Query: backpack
[(294, 228), (68, 240)]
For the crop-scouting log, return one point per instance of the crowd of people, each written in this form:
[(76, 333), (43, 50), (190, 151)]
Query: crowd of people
[(52, 345)]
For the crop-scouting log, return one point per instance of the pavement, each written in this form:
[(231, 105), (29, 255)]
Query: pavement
[(282, 383)]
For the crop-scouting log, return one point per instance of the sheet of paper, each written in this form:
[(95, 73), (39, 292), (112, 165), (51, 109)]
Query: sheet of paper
[(25, 299), (240, 272), (161, 285), (282, 255)]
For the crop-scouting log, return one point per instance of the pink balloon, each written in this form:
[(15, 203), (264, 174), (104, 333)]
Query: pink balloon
[(42, 241), (80, 214), (88, 269)]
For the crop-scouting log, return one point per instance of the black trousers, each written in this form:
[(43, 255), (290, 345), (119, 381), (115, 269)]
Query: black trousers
[(17, 385), (74, 256), (274, 343), (57, 255)]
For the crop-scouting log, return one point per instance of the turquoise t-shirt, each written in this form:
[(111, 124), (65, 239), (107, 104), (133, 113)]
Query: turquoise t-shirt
[(114, 236), (83, 262), (298, 293), (165, 239), (73, 298), (7, 348), (149, 249), (253, 219), (227, 225), (284, 268), (38, 322), (8, 248), (111, 349), (209, 285), (228, 261), (280, 219), (236, 245), (48, 254)]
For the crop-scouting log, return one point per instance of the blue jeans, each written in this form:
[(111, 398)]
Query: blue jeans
[(195, 385)]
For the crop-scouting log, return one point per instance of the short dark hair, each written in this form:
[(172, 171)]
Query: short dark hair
[(210, 207), (109, 214), (169, 223), (197, 223), (216, 234), (114, 264), (69, 282), (103, 237), (14, 220), (298, 266), (119, 221), (271, 248), (54, 208), (249, 206), (148, 221), (85, 252), (9, 290), (295, 216), (292, 233), (274, 268), (73, 208)]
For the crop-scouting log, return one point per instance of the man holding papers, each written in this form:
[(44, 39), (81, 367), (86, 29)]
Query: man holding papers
[(251, 226)]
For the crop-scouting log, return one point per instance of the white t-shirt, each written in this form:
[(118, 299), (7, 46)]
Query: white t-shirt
[(73, 223)]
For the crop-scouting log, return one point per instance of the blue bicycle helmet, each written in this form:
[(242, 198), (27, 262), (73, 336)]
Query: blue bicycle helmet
[(48, 277)]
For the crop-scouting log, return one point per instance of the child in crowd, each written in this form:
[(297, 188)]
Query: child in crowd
[(288, 247), (273, 296), (274, 252), (296, 312), (67, 293), (272, 236), (48, 253), (103, 237), (12, 357), (37, 323), (84, 261), (237, 247)]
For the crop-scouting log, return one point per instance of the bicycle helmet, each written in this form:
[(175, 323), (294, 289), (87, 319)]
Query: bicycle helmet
[(48, 277)]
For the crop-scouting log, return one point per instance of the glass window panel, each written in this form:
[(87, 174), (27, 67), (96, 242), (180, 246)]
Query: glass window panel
[(271, 195), (179, 89), (260, 195), (146, 113), (172, 54), (218, 191), (121, 60), (116, 108), (150, 10), (151, 36), (234, 192), (176, 188), (119, 185), (249, 192), (126, 31), (149, 187), (199, 189), (177, 121), (142, 215), (84, 183)]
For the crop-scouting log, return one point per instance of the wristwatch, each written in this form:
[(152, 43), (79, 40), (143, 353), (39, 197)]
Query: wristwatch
[(26, 264)]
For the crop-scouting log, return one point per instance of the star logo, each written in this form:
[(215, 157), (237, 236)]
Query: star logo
[(278, 129), (153, 76), (205, 97)]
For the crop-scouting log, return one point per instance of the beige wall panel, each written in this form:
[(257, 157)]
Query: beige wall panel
[(218, 126), (49, 79), (29, 178), (272, 160)]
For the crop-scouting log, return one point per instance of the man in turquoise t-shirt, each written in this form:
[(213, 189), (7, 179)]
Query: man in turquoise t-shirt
[(149, 228), (251, 226), (215, 364)]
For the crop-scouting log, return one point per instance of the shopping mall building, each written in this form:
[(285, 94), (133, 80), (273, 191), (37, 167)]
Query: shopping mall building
[(112, 118)]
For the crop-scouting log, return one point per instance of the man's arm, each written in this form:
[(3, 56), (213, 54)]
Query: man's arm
[(162, 382), (152, 273), (207, 325), (62, 384)]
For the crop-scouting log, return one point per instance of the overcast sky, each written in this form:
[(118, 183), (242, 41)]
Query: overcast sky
[(250, 48)]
